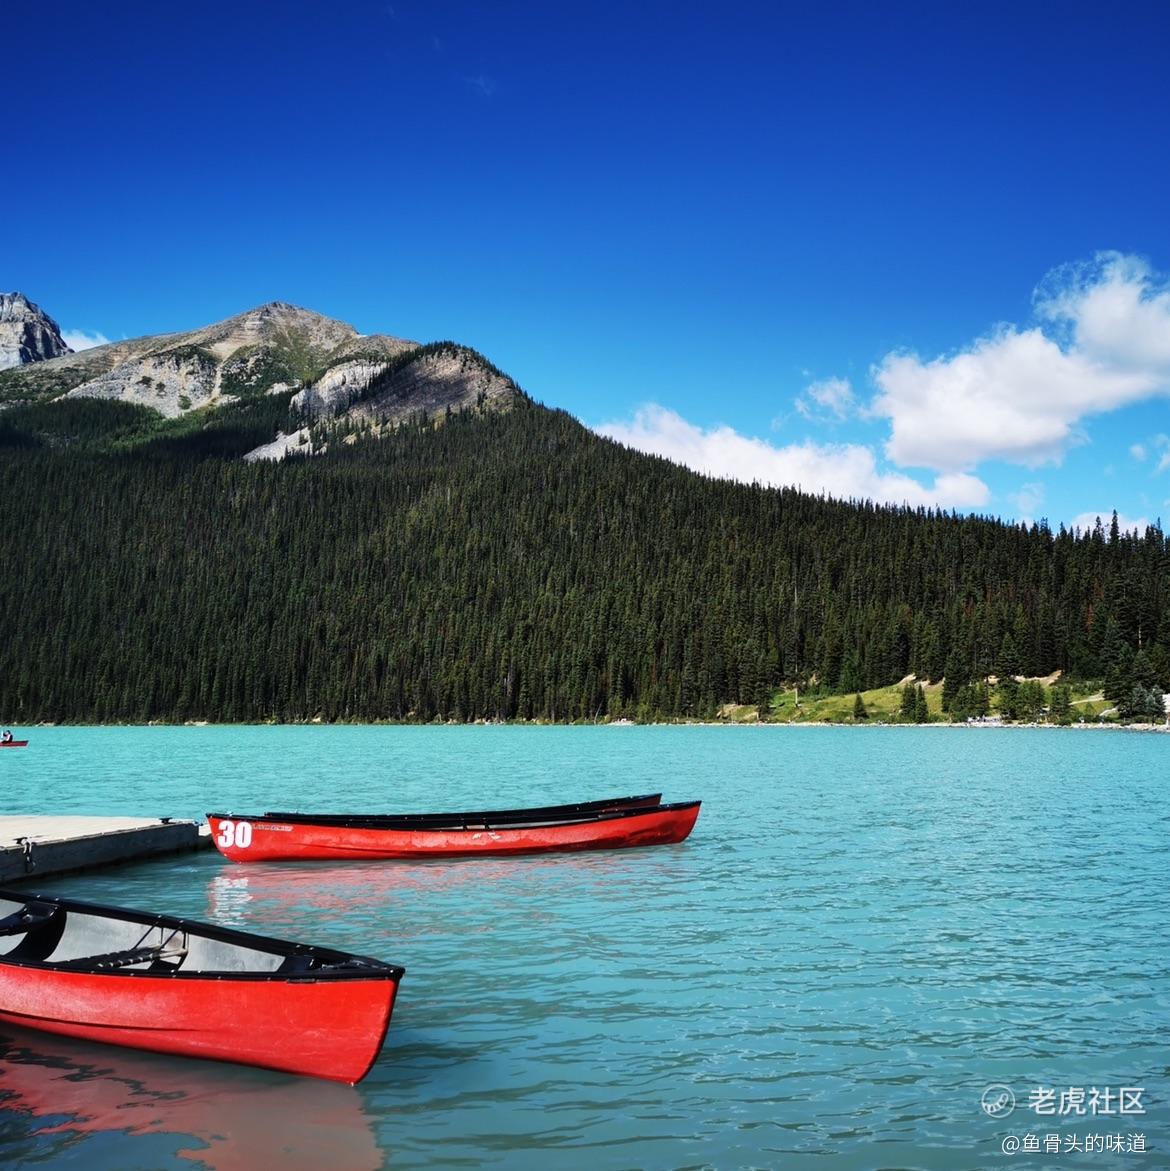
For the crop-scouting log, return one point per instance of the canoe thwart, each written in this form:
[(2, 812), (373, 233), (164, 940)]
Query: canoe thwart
[(117, 959)]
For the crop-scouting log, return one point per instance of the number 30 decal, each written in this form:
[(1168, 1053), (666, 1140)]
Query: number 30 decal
[(234, 833)]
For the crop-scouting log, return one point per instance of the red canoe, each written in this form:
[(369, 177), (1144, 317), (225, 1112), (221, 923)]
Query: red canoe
[(263, 838), (175, 986), (13, 743)]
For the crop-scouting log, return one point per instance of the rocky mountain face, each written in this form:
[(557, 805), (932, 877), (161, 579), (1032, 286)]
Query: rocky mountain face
[(274, 348), (268, 350), (434, 379), (27, 333), (338, 376)]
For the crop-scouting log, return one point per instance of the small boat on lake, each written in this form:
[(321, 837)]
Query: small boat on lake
[(172, 985), (13, 743), (271, 837)]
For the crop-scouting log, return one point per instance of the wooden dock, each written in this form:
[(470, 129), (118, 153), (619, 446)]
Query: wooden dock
[(37, 846)]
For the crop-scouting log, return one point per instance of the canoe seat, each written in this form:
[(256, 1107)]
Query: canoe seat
[(30, 916), (298, 963), (111, 960), (41, 924)]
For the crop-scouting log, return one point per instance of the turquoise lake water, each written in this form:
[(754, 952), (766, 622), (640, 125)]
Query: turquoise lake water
[(867, 929)]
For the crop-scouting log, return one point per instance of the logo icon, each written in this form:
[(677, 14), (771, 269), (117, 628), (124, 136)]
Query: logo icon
[(998, 1101)]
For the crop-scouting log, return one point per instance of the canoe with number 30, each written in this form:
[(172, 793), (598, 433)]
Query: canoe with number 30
[(287, 837), (176, 986)]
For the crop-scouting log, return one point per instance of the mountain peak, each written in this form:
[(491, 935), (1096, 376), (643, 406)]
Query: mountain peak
[(14, 303), (281, 309), (27, 332), (272, 348)]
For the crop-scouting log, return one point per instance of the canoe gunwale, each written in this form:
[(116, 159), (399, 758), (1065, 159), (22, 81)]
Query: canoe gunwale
[(348, 966), (568, 812)]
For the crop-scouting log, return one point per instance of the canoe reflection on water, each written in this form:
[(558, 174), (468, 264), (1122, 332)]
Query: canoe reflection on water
[(53, 1090), (281, 889), (276, 894)]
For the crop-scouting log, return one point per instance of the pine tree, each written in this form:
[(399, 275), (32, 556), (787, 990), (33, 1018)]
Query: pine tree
[(921, 710), (1060, 704), (1008, 698), (1119, 679), (952, 681), (1008, 660)]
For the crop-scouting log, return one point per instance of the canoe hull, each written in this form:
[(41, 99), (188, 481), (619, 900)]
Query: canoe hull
[(270, 841), (13, 743), (317, 1028)]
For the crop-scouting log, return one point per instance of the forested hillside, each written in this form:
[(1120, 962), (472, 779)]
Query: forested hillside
[(502, 565)]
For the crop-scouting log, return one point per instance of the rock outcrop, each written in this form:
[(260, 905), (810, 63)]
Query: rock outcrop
[(27, 333), (448, 378), (433, 380)]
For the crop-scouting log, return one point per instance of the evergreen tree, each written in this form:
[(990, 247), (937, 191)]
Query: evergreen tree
[(952, 681), (921, 710), (1142, 673), (1008, 659), (1142, 703), (1060, 704), (1030, 703), (971, 702), (1008, 698), (965, 705)]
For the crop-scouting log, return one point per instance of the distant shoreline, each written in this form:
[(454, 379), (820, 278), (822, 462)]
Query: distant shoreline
[(974, 726)]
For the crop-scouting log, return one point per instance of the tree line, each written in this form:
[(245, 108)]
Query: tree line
[(490, 565)]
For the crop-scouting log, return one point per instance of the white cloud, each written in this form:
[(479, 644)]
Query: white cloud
[(1029, 499), (1116, 310), (840, 470), (1019, 395), (78, 339), (1022, 394), (1087, 521), (833, 396)]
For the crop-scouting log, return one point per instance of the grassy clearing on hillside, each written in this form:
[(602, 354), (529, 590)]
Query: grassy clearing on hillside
[(882, 705)]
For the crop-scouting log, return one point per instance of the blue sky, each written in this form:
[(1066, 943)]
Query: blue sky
[(905, 251)]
